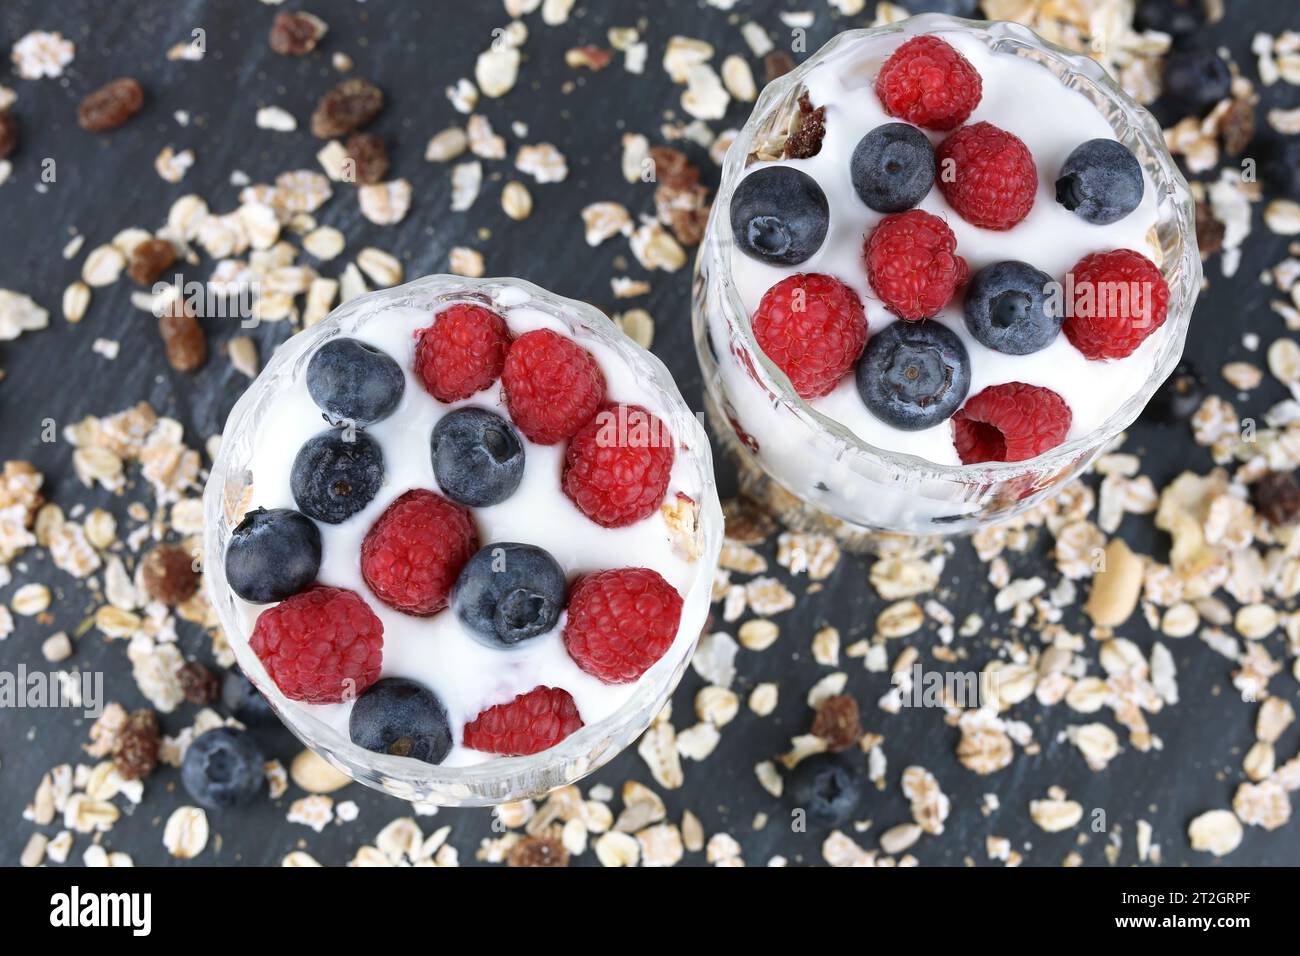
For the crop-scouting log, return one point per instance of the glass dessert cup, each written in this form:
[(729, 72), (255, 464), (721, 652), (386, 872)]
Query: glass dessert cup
[(812, 471), (499, 779)]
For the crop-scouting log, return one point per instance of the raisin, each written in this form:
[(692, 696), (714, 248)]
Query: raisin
[(746, 522), (837, 722), (348, 107), (807, 139), (1238, 127), (1209, 231), (135, 748), (199, 685), (369, 156), (777, 64), (182, 336), (538, 851), (296, 34), (8, 133), (169, 574), (111, 105), (1277, 497), (150, 259)]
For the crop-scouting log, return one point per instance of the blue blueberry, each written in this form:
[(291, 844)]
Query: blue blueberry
[(1009, 310), (272, 555), (913, 374), (826, 788), (1282, 166), (354, 382), (779, 215), (1178, 18), (244, 701), (508, 593), (1197, 79), (893, 167), (1101, 182), (400, 717), (223, 768), (478, 458), (336, 474)]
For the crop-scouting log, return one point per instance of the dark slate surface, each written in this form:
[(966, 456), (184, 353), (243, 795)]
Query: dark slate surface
[(413, 51)]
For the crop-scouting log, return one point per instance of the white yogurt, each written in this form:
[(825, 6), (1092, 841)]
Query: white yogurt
[(438, 651), (1023, 98)]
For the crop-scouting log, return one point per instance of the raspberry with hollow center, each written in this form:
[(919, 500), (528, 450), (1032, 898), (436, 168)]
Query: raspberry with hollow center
[(1010, 422), (621, 622), (912, 264), (412, 554), (988, 175), (929, 83), (462, 352), (529, 724), (813, 328), (617, 467), (1118, 299), (323, 645), (551, 385)]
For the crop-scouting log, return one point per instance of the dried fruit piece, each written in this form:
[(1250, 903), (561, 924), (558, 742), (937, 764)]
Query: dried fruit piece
[(837, 722), (149, 260), (1276, 496), (680, 200), (1209, 231), (538, 851), (1237, 127), (182, 336), (169, 574), (807, 139), (296, 33), (111, 105), (135, 748), (199, 685), (346, 108), (673, 168), (777, 64), (8, 133), (369, 156)]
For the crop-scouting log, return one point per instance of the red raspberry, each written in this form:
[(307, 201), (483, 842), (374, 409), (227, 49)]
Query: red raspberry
[(912, 264), (617, 466), (988, 175), (552, 386), (529, 724), (323, 645), (1010, 422), (928, 83), (1117, 299), (411, 556), (462, 352), (813, 328), (621, 622)]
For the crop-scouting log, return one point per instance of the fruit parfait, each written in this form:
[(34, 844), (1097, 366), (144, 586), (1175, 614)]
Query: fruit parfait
[(462, 535), (948, 264)]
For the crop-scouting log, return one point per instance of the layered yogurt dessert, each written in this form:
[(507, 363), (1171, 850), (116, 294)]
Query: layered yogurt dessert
[(948, 253), (471, 529)]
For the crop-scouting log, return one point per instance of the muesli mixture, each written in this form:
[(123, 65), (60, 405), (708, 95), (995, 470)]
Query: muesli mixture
[(1148, 591)]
